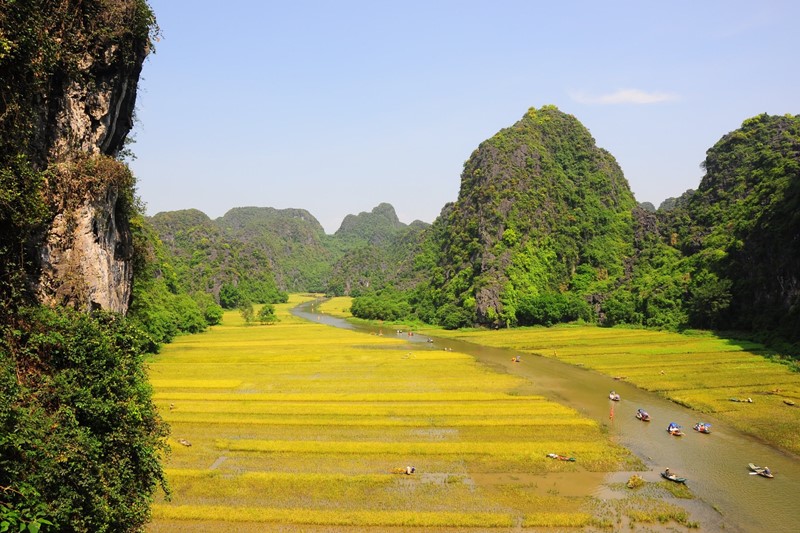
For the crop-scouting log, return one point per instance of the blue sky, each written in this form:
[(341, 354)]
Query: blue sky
[(337, 106)]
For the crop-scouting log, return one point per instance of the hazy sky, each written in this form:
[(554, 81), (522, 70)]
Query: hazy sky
[(337, 106)]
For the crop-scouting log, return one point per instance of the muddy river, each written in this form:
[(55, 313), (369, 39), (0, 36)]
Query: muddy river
[(715, 465)]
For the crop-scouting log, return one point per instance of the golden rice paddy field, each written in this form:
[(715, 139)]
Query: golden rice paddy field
[(699, 370), (298, 426)]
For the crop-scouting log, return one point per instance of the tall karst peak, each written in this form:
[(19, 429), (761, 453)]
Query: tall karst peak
[(539, 201)]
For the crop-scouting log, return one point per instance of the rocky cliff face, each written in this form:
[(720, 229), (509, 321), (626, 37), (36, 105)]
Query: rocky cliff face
[(86, 256), (72, 87)]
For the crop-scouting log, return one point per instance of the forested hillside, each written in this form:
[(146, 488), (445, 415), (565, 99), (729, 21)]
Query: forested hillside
[(207, 260), (740, 230), (259, 253), (290, 241), (545, 229), (543, 219)]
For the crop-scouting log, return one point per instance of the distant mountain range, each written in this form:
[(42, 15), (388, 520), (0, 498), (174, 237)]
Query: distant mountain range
[(545, 228)]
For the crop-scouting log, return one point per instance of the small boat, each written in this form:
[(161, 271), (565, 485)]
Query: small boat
[(674, 430), (642, 415), (702, 427), (760, 470), (673, 477), (788, 402), (741, 400), (560, 457), (613, 396)]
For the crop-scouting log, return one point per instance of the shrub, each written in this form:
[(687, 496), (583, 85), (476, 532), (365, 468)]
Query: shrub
[(77, 422)]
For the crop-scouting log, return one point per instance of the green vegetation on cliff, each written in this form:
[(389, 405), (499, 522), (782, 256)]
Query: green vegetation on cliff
[(741, 231), (208, 260), (256, 254), (546, 230), (541, 212), (80, 439)]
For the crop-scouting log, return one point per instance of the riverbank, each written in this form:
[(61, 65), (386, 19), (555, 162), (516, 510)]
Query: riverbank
[(726, 378)]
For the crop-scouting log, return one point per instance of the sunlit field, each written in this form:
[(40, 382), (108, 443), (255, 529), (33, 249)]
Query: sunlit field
[(298, 426), (698, 370)]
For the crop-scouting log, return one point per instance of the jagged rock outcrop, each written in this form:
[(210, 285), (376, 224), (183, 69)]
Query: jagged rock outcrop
[(68, 94), (376, 227), (86, 257)]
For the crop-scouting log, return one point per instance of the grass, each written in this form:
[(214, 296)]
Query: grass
[(300, 426)]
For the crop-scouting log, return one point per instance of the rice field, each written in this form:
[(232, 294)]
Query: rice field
[(298, 426), (699, 370)]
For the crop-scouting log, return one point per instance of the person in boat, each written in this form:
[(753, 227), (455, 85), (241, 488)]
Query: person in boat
[(666, 472), (766, 471)]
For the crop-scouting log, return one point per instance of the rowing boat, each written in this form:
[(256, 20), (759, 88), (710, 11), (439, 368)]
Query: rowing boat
[(760, 470)]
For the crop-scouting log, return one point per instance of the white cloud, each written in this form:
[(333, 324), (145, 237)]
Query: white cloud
[(624, 96)]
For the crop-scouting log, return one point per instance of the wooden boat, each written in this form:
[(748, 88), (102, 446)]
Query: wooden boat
[(760, 470), (673, 477), (702, 427), (560, 457), (674, 430), (642, 415), (613, 396)]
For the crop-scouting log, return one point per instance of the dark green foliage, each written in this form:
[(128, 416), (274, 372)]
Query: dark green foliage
[(453, 316), (671, 203), (22, 510), (387, 261), (77, 424), (289, 242), (386, 305), (245, 308), (654, 291), (160, 306), (210, 260), (266, 315), (374, 228), (211, 310), (552, 308), (539, 204), (22, 214), (741, 230), (709, 298), (80, 440), (234, 257), (229, 296)]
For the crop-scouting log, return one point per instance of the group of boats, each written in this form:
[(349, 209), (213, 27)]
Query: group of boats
[(676, 430)]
